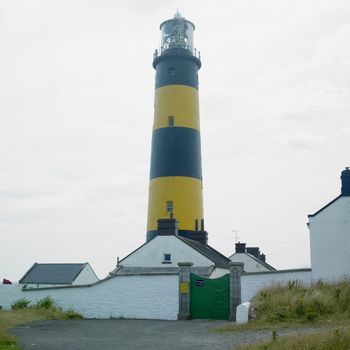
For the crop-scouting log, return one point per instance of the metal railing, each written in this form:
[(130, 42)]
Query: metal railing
[(196, 53)]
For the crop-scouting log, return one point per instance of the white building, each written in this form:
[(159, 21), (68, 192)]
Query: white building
[(163, 253), (330, 236), (58, 275), (253, 260)]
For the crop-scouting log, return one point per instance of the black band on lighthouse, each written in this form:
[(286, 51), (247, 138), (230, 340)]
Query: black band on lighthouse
[(176, 151), (177, 70)]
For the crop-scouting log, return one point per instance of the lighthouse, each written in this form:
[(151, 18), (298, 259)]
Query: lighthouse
[(175, 188)]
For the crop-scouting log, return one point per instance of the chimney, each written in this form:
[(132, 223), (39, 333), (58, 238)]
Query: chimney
[(254, 251), (345, 182), (240, 247), (262, 257), (168, 227)]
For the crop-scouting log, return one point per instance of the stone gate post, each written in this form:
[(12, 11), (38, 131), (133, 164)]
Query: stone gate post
[(184, 290), (236, 269)]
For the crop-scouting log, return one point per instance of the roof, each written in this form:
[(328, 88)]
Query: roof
[(52, 273), (326, 206), (220, 260)]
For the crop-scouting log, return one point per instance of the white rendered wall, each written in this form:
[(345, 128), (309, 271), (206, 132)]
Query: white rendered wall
[(148, 297), (250, 264), (217, 273), (330, 241), (86, 276), (151, 254), (251, 283)]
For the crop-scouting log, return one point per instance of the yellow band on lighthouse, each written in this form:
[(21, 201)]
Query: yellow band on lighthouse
[(186, 195), (179, 102)]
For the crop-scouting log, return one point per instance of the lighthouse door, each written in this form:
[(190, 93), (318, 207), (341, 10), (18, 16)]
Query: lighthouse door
[(210, 298)]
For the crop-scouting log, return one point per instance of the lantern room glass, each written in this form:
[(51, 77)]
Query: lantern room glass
[(177, 33)]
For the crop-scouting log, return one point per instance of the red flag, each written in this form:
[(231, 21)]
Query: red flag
[(5, 281)]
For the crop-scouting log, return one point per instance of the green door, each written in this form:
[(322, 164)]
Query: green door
[(210, 298)]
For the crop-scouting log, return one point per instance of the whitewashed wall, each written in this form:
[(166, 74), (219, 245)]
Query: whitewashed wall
[(251, 283), (330, 241), (217, 273), (148, 297), (87, 276)]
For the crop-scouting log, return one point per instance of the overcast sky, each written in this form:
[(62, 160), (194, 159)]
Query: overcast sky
[(76, 114)]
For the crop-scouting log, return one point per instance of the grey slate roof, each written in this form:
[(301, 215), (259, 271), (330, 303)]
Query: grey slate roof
[(220, 260), (52, 273)]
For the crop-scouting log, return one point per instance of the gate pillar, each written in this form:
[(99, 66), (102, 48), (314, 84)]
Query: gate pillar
[(236, 269), (184, 290)]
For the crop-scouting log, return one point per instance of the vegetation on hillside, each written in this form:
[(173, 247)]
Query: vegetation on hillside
[(295, 302), (23, 312), (322, 305), (330, 339)]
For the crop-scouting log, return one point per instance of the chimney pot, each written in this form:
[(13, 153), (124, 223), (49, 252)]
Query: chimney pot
[(168, 227), (255, 251), (345, 182), (240, 247)]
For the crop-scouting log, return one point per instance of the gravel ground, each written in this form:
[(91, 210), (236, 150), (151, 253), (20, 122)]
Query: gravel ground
[(133, 335), (129, 334)]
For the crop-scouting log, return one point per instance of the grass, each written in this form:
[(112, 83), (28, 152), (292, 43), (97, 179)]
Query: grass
[(296, 302), (323, 308), (331, 339), (23, 313)]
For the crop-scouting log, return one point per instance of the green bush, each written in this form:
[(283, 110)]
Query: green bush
[(45, 303), (73, 315), (20, 304)]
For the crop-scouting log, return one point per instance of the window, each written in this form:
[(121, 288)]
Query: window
[(166, 258), (171, 120), (169, 206)]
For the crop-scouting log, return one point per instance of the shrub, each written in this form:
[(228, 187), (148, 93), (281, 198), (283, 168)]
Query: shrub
[(20, 304), (45, 303), (73, 315)]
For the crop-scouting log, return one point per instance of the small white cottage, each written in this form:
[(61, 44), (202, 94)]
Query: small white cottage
[(253, 260), (330, 236), (58, 275)]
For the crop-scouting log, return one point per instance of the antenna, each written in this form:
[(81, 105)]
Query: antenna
[(236, 235)]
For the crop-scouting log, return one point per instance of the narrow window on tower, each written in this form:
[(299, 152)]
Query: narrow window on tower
[(171, 120), (172, 71), (169, 206)]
